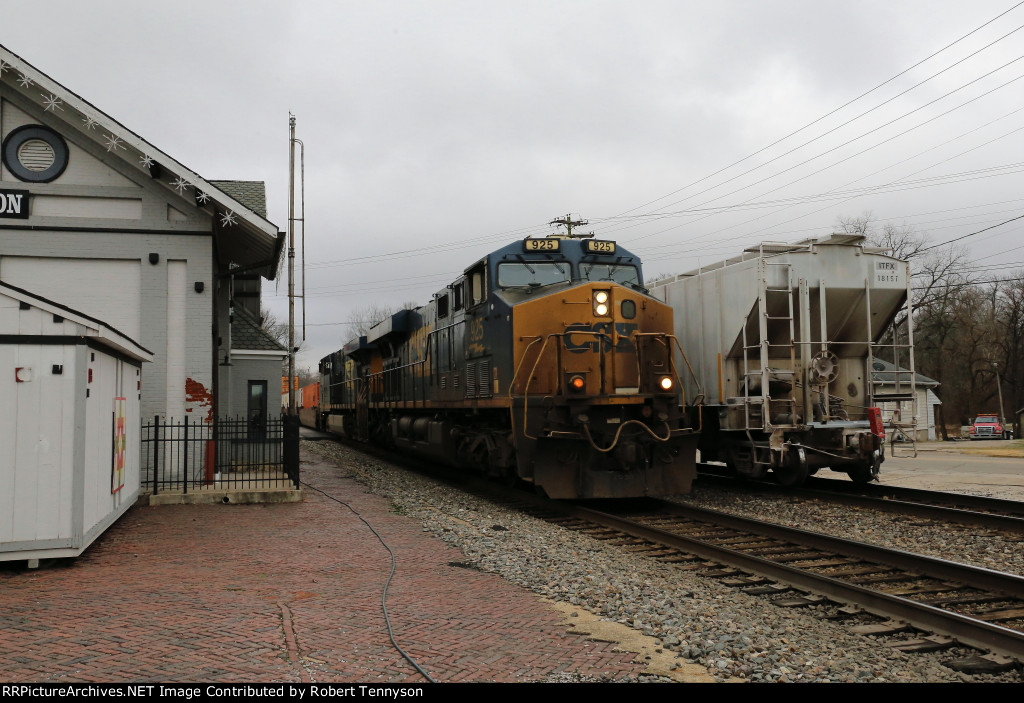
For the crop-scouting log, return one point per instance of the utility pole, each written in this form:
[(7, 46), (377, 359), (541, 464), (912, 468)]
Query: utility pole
[(999, 387), (292, 406), (569, 223)]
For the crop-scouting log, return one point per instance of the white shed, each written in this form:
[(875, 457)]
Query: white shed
[(69, 426)]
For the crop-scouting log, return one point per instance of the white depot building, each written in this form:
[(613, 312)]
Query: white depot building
[(129, 289), (94, 217)]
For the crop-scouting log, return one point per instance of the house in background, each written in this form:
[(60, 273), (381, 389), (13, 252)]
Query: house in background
[(885, 376)]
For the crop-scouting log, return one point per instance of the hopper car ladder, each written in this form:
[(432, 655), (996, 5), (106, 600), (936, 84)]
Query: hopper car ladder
[(768, 300), (901, 400)]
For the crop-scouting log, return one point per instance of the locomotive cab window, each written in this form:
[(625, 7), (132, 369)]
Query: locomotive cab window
[(532, 274), (625, 274), (442, 306), (458, 296), (477, 285)]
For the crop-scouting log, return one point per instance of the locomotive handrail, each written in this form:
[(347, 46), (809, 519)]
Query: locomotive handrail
[(700, 388), (427, 357), (662, 337), (526, 391), (540, 355)]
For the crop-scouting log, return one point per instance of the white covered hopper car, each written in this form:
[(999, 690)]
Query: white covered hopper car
[(781, 340)]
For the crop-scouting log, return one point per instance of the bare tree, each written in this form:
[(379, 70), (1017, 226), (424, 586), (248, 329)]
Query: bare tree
[(948, 342), (360, 321), (278, 329), (856, 225), (1010, 340)]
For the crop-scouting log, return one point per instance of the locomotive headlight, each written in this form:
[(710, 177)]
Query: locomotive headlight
[(601, 302), (665, 383)]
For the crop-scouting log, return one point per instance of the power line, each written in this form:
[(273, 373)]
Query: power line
[(964, 284), (850, 141), (957, 239), (832, 112), (536, 228)]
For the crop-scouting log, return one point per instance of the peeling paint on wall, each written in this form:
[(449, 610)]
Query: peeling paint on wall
[(197, 395)]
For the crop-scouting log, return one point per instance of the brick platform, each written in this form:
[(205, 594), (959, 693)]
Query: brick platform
[(282, 593)]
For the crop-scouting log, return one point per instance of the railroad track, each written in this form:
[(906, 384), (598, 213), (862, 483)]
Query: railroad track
[(883, 591), (977, 607), (990, 513)]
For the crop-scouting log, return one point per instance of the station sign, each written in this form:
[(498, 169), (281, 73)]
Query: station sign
[(14, 204)]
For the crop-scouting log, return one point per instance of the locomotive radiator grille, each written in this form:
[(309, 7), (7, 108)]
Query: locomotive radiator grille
[(478, 379)]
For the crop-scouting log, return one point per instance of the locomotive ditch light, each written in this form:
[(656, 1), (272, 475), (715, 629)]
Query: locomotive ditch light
[(576, 383), (601, 298), (665, 383)]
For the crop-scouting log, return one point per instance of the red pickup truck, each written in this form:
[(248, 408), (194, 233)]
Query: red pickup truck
[(989, 427)]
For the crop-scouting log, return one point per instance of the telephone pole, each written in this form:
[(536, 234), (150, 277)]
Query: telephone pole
[(569, 223)]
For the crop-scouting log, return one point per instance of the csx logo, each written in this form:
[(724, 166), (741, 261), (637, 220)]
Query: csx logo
[(599, 333)]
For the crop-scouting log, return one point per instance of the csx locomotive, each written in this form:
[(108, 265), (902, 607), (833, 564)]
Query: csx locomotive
[(545, 362)]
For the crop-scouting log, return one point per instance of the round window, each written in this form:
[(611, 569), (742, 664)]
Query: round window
[(35, 154)]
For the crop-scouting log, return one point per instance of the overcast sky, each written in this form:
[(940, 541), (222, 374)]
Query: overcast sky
[(437, 131)]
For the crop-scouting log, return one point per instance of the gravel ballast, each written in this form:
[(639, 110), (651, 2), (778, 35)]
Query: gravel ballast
[(738, 637)]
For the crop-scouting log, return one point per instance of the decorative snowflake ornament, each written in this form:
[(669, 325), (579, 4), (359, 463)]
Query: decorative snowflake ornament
[(25, 80), (89, 122), (146, 161), (113, 143), (52, 102), (227, 219), (202, 198), (180, 184)]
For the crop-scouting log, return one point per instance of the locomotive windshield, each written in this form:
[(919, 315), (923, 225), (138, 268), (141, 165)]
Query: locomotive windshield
[(617, 273), (533, 274)]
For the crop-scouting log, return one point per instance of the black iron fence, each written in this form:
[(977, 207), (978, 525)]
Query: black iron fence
[(227, 454)]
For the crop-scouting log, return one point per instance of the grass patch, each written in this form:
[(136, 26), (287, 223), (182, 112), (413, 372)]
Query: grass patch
[(1013, 450)]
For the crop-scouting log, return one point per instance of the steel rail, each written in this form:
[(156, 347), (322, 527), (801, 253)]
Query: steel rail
[(917, 495), (935, 505), (967, 630)]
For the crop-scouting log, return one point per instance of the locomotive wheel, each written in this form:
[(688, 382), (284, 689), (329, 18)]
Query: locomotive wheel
[(867, 471), (794, 473)]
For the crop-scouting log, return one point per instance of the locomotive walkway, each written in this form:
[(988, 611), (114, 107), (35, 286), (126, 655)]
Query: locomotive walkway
[(283, 593)]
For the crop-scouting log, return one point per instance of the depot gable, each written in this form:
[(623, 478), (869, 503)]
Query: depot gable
[(64, 163), (95, 218)]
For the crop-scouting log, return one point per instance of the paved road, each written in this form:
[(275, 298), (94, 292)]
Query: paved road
[(951, 467)]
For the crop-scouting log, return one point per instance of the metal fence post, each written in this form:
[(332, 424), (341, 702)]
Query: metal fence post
[(184, 455), (291, 447), (156, 453)]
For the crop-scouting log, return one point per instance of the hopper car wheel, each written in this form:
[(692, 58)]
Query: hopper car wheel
[(794, 473), (866, 472), (738, 462)]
